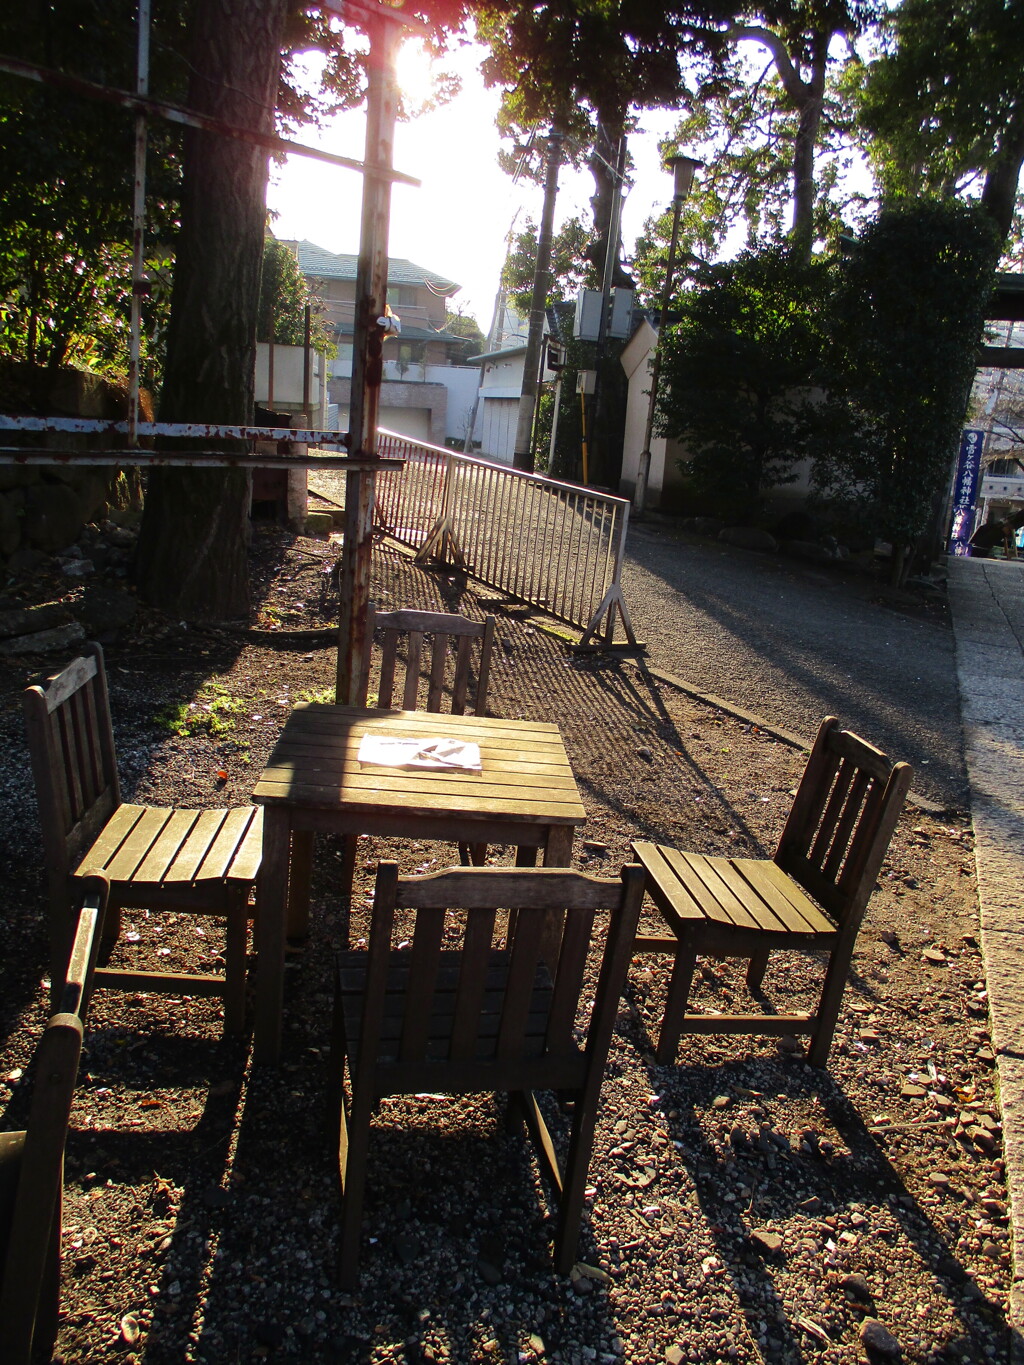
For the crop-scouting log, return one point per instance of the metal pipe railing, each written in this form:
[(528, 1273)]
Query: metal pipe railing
[(558, 546)]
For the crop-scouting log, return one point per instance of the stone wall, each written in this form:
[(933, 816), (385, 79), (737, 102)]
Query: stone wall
[(44, 507)]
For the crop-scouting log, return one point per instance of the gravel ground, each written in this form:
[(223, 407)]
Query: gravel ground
[(743, 1207)]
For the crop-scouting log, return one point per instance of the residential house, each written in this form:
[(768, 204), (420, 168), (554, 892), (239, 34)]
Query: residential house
[(424, 395)]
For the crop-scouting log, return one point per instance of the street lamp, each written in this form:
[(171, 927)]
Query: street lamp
[(683, 169)]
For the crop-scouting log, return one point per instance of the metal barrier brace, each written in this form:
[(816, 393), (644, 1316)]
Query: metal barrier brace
[(557, 546)]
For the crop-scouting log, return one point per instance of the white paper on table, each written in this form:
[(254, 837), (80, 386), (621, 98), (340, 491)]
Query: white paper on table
[(390, 752)]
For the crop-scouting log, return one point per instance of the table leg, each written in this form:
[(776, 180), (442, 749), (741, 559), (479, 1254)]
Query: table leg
[(300, 876), (557, 853), (271, 925), (558, 848)]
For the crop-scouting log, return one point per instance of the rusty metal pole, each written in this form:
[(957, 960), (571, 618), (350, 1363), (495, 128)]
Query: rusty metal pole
[(139, 285), (367, 356)]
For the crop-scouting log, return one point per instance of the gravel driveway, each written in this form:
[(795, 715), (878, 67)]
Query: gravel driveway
[(793, 641)]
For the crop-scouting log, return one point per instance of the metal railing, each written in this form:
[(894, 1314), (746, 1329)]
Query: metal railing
[(557, 546)]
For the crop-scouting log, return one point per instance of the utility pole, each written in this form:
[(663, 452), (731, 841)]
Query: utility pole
[(601, 462), (368, 355), (523, 456)]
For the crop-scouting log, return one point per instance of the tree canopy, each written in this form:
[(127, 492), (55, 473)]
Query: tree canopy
[(906, 319), (943, 106), (741, 369)]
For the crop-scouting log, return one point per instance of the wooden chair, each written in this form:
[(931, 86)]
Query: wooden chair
[(159, 858), (32, 1162), (835, 838), (477, 1017), (442, 627)]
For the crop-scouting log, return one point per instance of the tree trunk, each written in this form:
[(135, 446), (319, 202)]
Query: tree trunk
[(809, 106), (192, 546), (999, 196)]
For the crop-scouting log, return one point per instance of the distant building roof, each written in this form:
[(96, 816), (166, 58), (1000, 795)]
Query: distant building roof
[(316, 261), (505, 351), (408, 333)]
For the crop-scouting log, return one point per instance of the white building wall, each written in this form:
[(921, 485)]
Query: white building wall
[(411, 422), (636, 361), (288, 374), (500, 417)]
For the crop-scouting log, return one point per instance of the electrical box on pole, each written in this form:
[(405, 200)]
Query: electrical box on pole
[(587, 320)]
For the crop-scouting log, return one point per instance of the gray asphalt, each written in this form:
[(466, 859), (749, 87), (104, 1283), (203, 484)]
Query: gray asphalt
[(794, 641)]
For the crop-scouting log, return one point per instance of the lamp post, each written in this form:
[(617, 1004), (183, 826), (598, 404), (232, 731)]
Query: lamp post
[(683, 169)]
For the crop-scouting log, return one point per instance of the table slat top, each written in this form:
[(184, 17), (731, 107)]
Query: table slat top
[(526, 772)]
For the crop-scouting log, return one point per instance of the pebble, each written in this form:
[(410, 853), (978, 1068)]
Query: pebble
[(856, 1286), (769, 1242), (130, 1330), (877, 1337)]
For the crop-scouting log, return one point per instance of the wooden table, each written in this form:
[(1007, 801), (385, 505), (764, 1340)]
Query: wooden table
[(525, 795)]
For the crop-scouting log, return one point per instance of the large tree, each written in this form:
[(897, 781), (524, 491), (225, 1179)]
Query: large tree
[(192, 544), (773, 124)]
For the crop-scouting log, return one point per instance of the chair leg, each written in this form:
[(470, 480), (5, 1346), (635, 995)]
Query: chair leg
[(675, 1006), (473, 855), (48, 1311), (756, 970), (574, 1186), (235, 962), (829, 1005), (353, 1145)]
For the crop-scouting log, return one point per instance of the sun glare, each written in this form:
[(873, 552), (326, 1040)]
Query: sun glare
[(423, 82)]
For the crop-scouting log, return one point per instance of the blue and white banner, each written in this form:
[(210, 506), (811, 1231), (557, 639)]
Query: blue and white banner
[(965, 490)]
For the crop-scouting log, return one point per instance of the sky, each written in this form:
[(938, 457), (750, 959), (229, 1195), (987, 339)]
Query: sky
[(457, 222)]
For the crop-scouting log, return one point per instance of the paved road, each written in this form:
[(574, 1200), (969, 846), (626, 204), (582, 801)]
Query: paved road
[(795, 641)]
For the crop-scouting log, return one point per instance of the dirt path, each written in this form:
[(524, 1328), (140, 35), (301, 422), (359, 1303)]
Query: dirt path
[(742, 1207)]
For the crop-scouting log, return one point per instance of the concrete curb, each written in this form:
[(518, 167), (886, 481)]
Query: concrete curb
[(986, 600)]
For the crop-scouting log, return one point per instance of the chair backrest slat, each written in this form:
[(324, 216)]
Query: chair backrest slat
[(438, 658), (421, 989), (841, 821), (572, 962), (386, 686), (460, 687), (412, 670), (476, 949), (524, 959), (442, 628)]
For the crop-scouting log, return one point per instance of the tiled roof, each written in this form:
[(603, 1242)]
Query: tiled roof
[(408, 333), (315, 261)]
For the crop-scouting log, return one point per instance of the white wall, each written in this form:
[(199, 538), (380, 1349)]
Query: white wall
[(287, 377), (499, 419), (411, 422), (461, 381), (636, 361)]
